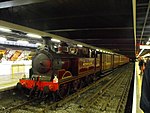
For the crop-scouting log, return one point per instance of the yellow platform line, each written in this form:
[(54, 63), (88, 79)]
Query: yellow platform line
[(140, 85)]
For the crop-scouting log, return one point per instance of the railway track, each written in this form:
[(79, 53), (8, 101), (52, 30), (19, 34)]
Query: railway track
[(9, 99), (87, 99), (112, 98)]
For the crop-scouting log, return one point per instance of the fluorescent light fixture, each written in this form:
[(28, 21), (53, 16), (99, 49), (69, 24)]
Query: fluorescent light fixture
[(140, 52), (79, 45), (5, 29), (22, 42), (97, 49), (55, 40), (147, 55), (33, 35), (101, 51), (144, 47), (2, 39), (147, 43), (38, 44), (111, 53), (15, 43)]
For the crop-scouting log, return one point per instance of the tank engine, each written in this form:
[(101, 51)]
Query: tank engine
[(49, 69)]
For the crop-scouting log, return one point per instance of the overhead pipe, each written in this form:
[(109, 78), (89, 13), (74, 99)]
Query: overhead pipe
[(134, 23), (89, 29)]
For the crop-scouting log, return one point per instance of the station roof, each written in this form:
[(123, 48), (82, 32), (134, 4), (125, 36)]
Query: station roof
[(143, 24), (106, 24)]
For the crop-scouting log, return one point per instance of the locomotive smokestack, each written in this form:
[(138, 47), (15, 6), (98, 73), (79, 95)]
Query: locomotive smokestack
[(48, 43), (46, 40)]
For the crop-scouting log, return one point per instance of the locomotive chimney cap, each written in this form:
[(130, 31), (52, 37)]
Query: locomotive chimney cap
[(46, 37)]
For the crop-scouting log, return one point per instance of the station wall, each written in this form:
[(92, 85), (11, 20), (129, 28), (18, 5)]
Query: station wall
[(17, 69)]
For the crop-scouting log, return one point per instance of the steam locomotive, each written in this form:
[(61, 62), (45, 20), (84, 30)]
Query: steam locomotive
[(68, 69)]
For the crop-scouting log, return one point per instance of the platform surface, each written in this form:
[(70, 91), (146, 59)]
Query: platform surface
[(6, 82), (138, 84)]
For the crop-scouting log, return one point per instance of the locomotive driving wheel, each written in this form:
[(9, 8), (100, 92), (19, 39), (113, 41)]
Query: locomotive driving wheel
[(82, 83), (63, 90), (75, 85), (90, 78)]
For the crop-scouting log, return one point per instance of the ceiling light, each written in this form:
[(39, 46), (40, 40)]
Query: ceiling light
[(140, 52), (55, 40), (38, 44), (147, 43), (111, 53), (147, 55), (5, 29), (22, 42), (97, 49), (79, 45), (2, 39), (33, 35)]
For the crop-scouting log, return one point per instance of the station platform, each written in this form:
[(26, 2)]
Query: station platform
[(7, 83), (137, 90)]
